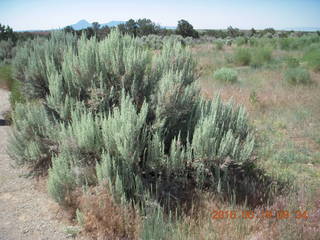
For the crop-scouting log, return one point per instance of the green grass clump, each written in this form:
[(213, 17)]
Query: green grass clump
[(292, 62), (253, 42), (5, 76), (219, 45), (260, 56), (285, 43), (240, 41), (297, 75), (16, 95), (312, 57), (242, 56), (226, 75)]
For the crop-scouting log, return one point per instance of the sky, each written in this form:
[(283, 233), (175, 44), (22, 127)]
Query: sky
[(202, 14)]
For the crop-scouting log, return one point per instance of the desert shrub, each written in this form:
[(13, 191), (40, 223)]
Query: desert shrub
[(115, 112), (219, 44), (297, 75), (260, 56), (292, 62), (240, 41), (253, 42), (6, 51), (156, 225), (312, 57), (16, 95), (5, 76), (152, 41), (61, 180), (32, 143), (30, 64), (298, 42), (229, 42), (242, 56), (284, 43), (155, 42), (226, 75)]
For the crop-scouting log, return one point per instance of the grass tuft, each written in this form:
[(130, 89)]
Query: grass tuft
[(228, 75)]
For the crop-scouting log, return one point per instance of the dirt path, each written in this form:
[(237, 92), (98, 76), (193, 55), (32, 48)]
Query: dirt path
[(26, 211)]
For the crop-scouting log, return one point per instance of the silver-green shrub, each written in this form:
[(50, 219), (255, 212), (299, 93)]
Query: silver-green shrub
[(115, 112), (61, 179), (34, 138), (226, 75)]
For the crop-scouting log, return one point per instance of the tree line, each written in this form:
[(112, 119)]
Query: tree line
[(138, 28)]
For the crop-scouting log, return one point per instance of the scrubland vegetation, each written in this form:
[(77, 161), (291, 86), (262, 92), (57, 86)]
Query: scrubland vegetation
[(139, 139)]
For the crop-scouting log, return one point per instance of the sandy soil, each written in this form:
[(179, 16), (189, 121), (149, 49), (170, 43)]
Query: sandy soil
[(26, 211)]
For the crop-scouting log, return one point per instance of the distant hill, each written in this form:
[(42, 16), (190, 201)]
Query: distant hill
[(112, 23), (303, 29), (82, 24)]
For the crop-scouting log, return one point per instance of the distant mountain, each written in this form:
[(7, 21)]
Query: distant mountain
[(112, 23), (82, 24), (169, 27), (303, 29)]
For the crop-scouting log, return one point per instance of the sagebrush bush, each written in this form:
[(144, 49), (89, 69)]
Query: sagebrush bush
[(312, 57), (298, 42), (30, 64), (61, 180), (6, 51), (292, 62), (297, 75), (260, 56), (226, 75), (240, 41), (113, 111), (219, 44), (253, 42), (285, 43), (32, 143), (153, 41), (242, 56)]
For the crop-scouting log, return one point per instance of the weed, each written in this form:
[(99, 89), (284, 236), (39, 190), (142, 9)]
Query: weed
[(297, 75), (5, 77), (292, 62), (226, 75), (242, 56), (260, 56), (312, 57)]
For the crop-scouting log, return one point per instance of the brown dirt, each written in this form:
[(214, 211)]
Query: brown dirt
[(26, 211)]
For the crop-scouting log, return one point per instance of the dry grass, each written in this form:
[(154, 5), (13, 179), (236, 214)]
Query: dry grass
[(287, 122), (201, 225), (287, 118), (104, 219)]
